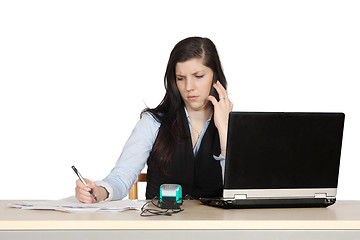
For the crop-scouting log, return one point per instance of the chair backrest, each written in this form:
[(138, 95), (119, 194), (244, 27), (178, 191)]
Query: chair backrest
[(133, 193)]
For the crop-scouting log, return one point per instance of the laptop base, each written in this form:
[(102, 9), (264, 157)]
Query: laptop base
[(268, 203)]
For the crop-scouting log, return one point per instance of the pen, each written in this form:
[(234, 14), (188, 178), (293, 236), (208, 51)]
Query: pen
[(83, 181)]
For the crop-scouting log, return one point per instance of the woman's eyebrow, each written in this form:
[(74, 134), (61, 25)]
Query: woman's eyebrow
[(194, 73), (200, 71), (179, 75)]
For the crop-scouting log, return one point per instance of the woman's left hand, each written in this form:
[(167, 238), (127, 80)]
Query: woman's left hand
[(222, 108)]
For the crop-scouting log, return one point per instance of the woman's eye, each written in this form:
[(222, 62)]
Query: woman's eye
[(179, 78), (199, 76)]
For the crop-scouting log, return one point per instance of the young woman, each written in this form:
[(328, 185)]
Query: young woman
[(183, 139)]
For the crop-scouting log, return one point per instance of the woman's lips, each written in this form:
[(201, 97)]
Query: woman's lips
[(192, 98)]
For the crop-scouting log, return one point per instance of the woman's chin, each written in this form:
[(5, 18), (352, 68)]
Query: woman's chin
[(197, 106)]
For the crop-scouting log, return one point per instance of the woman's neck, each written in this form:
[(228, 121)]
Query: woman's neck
[(198, 119)]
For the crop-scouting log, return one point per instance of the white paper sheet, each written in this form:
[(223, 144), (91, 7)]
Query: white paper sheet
[(71, 204)]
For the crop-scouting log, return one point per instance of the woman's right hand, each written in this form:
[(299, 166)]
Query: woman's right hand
[(82, 191)]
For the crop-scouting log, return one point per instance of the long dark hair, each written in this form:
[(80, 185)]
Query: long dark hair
[(171, 108)]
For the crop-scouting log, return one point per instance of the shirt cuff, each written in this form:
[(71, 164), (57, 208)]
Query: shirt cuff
[(221, 158), (108, 188)]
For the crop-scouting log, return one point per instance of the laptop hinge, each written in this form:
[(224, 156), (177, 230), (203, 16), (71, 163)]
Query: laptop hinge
[(240, 196), (320, 195)]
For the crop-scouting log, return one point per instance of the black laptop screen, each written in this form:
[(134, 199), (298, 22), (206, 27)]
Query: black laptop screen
[(283, 150)]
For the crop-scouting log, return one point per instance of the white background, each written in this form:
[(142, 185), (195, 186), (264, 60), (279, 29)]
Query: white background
[(75, 75)]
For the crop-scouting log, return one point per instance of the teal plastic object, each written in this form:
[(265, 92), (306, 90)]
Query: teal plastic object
[(172, 192)]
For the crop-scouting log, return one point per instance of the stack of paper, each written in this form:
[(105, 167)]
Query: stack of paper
[(71, 204)]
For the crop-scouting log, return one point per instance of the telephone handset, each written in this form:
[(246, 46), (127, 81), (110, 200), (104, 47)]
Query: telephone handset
[(213, 91)]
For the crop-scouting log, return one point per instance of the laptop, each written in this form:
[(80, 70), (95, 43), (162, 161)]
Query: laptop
[(281, 159)]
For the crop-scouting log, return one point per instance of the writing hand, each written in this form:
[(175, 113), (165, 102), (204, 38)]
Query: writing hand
[(82, 191)]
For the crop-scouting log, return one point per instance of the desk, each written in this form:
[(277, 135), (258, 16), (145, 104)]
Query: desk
[(197, 221)]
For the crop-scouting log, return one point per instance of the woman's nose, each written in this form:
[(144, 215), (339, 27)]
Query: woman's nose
[(189, 84)]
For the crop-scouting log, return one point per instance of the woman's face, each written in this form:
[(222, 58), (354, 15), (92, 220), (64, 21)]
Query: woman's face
[(194, 81)]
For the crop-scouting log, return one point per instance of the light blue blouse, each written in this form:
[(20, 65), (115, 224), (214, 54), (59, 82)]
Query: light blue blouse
[(135, 154)]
